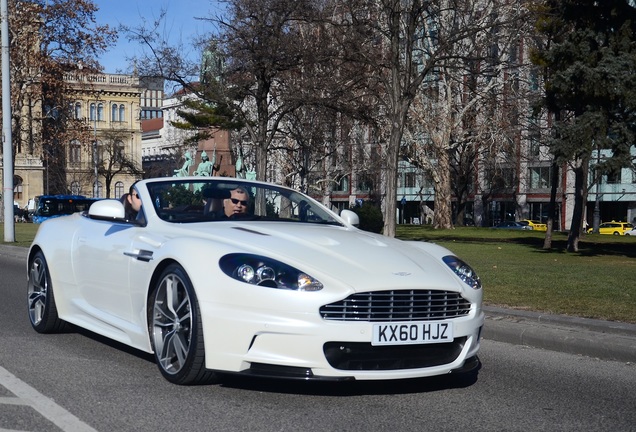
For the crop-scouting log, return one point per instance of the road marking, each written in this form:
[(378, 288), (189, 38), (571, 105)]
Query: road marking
[(45, 406)]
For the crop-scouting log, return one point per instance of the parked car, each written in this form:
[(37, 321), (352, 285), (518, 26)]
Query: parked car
[(513, 225), (52, 206), (612, 228), (534, 224), (631, 232), (282, 288)]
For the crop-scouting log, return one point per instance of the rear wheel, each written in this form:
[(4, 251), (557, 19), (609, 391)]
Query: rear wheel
[(42, 308), (175, 329)]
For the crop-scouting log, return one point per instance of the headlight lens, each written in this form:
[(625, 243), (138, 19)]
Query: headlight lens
[(259, 270), (463, 271)]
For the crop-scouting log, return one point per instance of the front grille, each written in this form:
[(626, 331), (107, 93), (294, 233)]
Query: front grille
[(397, 305)]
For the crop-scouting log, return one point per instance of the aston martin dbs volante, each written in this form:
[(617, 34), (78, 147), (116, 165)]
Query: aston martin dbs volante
[(221, 275)]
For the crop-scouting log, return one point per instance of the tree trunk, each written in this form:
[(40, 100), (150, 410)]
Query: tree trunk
[(580, 198), (390, 176), (442, 216)]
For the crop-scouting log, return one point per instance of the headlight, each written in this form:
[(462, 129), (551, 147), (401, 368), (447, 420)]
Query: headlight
[(259, 270), (463, 271)]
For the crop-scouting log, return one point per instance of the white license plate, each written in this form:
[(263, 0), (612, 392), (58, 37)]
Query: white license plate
[(412, 333)]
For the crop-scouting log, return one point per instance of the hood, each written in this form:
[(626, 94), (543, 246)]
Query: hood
[(362, 260)]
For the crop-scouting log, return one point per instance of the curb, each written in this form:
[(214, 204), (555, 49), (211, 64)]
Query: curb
[(607, 340)]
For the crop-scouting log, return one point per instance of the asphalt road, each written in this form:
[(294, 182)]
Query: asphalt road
[(79, 382)]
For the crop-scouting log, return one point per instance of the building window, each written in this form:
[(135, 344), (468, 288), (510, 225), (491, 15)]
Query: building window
[(17, 188), (75, 152), (365, 183), (118, 113), (118, 151), (539, 177), (119, 189), (613, 176), (342, 184), (409, 180), (534, 141), (77, 112), (100, 112), (501, 178), (76, 188)]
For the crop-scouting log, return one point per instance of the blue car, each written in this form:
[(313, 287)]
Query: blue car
[(51, 206)]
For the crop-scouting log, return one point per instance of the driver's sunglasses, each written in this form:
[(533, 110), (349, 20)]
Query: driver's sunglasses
[(236, 201)]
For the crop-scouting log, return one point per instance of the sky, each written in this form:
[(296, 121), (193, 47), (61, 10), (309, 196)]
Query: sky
[(180, 24)]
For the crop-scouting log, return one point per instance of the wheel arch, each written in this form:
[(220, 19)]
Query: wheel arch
[(32, 252), (152, 285)]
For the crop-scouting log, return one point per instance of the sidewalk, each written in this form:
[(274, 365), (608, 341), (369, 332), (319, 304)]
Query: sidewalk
[(606, 340)]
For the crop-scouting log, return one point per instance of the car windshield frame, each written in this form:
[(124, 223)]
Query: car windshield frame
[(195, 200)]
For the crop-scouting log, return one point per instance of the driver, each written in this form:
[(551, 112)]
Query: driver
[(237, 203)]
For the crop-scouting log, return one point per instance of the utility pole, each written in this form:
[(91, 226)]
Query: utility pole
[(95, 118), (7, 143), (95, 189), (596, 221)]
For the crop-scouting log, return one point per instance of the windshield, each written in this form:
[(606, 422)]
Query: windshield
[(207, 200)]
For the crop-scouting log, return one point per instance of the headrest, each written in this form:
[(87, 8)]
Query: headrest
[(213, 192)]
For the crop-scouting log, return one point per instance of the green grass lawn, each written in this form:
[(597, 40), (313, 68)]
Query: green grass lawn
[(597, 282)]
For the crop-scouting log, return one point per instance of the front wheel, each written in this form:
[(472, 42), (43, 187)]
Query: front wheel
[(175, 328), (42, 308)]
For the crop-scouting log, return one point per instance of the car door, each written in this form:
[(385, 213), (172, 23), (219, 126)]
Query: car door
[(102, 269)]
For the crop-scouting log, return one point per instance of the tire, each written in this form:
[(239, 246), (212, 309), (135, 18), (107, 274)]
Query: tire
[(617, 233), (42, 309), (175, 329)]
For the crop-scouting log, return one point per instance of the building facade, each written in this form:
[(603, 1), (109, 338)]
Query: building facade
[(104, 158)]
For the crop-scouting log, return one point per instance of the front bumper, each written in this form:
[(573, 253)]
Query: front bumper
[(304, 346)]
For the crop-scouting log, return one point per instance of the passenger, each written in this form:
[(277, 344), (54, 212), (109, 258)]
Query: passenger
[(132, 203), (237, 203)]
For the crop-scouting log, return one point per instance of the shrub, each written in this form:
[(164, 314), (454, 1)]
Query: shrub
[(370, 217)]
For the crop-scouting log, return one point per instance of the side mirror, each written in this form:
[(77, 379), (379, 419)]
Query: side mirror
[(107, 209), (350, 217)]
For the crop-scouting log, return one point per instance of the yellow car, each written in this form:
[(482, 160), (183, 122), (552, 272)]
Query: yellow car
[(612, 228), (535, 225)]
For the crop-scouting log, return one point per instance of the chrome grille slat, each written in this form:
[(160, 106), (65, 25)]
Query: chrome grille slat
[(397, 305)]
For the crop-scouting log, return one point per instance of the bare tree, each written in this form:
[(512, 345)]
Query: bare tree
[(113, 160), (47, 39), (414, 38)]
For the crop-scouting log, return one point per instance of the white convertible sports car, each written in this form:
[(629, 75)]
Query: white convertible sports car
[(227, 275)]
